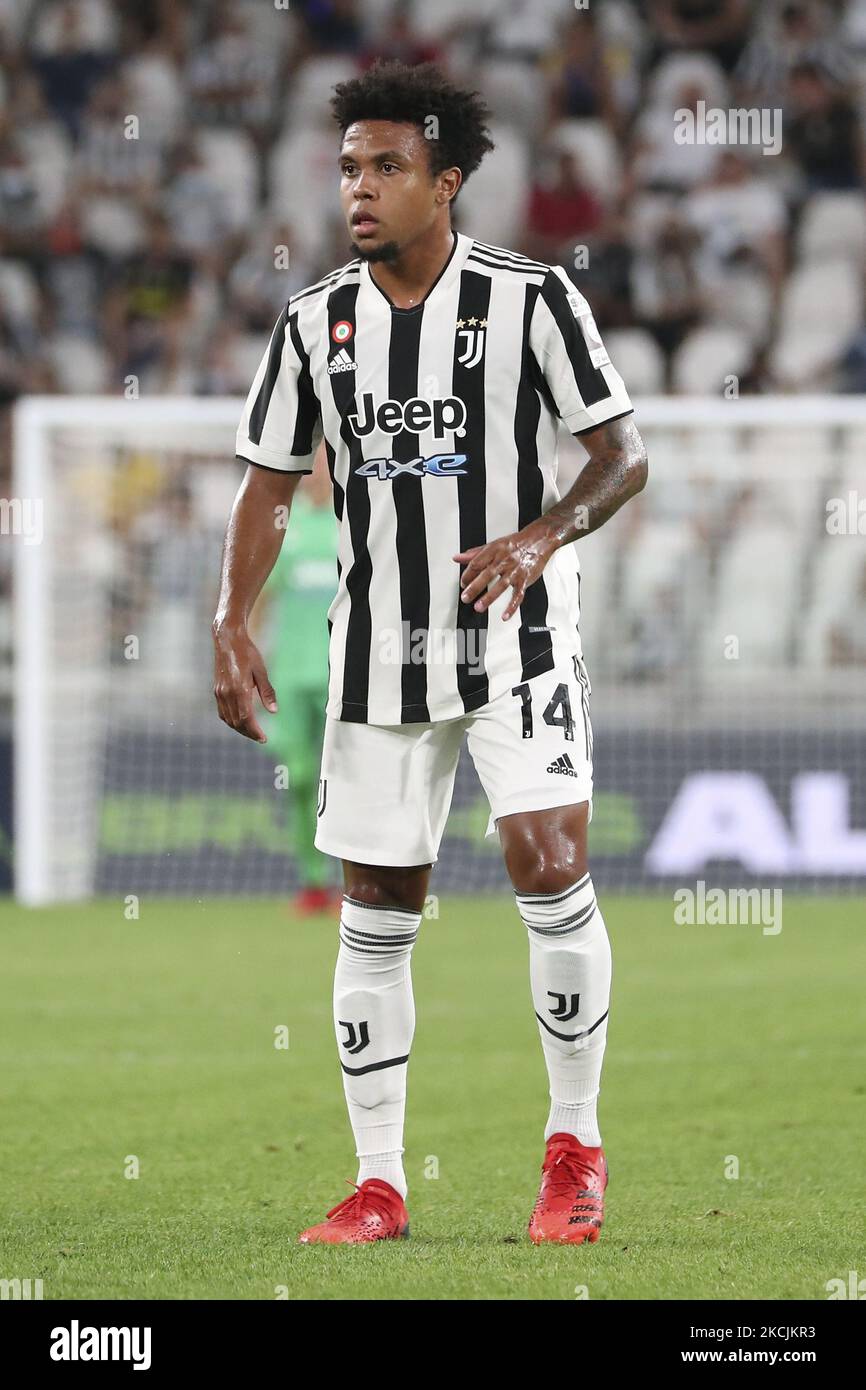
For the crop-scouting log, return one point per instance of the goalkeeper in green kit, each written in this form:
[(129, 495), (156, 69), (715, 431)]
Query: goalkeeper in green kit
[(297, 596)]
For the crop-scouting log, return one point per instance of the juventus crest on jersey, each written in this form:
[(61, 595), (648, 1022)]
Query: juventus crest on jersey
[(440, 428)]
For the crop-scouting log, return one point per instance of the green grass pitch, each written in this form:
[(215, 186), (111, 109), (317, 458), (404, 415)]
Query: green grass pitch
[(155, 1039)]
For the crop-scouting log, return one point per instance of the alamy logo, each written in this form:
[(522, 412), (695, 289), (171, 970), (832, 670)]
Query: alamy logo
[(473, 334), (356, 1038), (563, 765), (77, 1343), (15, 1289), (741, 125), (341, 362), (441, 416)]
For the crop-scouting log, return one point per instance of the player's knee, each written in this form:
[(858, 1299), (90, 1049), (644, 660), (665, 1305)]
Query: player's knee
[(545, 852), (384, 887), (537, 864)]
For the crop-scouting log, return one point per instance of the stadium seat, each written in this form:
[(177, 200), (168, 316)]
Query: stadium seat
[(799, 360), (310, 83), (81, 366), (597, 554), (744, 301), (758, 595), (826, 296), (230, 158), (315, 152), (516, 95), (19, 292), (638, 359), (833, 227), (653, 561), (596, 150), (836, 574), (493, 203), (706, 357)]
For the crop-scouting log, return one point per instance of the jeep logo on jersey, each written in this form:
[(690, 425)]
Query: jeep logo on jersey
[(415, 415), (440, 465), (473, 333)]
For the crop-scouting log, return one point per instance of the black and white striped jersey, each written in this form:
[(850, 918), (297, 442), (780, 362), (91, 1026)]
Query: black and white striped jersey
[(440, 426)]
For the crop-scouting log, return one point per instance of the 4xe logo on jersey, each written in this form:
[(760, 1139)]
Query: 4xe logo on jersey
[(393, 417), (440, 465)]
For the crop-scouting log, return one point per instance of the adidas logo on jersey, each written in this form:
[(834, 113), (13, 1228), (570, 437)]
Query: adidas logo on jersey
[(342, 362), (563, 765)]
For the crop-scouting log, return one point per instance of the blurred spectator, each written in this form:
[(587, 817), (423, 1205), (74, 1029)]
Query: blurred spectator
[(196, 208), (795, 34), (719, 27), (147, 306), (666, 286), (851, 371), (397, 40), (659, 645), (232, 77), (150, 154), (270, 269), (331, 26), (580, 85), (73, 46), (171, 554), (21, 216), (659, 163), (742, 220), (823, 131), (560, 207), (118, 170), (607, 280)]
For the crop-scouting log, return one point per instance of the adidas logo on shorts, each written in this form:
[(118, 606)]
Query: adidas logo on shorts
[(342, 362), (563, 765)]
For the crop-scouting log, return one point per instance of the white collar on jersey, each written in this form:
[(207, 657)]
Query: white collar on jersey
[(451, 268)]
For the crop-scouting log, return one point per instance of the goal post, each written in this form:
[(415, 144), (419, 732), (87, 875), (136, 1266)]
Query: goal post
[(717, 618), (55, 834)]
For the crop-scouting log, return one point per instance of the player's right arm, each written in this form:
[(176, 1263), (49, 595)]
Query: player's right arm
[(279, 430)]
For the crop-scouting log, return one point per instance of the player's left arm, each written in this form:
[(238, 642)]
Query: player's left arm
[(615, 471)]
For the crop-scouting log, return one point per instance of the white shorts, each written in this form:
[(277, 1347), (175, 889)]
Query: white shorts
[(385, 789)]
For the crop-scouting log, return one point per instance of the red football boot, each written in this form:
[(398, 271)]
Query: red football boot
[(374, 1211), (569, 1208)]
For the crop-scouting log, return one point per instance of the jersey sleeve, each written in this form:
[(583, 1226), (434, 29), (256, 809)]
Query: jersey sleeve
[(586, 389), (281, 423)]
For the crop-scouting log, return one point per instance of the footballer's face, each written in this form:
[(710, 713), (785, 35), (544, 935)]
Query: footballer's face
[(388, 193)]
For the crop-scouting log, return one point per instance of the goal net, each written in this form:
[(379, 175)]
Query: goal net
[(724, 630)]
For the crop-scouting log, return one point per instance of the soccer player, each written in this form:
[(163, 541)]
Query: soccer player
[(437, 368), (298, 594)]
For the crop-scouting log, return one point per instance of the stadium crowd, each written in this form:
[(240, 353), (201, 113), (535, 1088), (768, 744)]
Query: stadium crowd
[(168, 178)]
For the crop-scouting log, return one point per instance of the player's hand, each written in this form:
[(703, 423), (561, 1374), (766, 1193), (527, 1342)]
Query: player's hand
[(238, 672), (513, 562)]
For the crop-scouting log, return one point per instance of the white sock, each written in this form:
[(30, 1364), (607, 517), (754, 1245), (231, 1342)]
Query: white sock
[(570, 976), (374, 1019)]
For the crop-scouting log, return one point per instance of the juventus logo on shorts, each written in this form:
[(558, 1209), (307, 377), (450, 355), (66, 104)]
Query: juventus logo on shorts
[(474, 333), (323, 796)]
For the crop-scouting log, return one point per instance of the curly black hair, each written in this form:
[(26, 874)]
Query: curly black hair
[(393, 91)]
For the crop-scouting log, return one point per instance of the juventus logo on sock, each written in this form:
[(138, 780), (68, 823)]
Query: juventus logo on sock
[(564, 1010), (356, 1039)]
